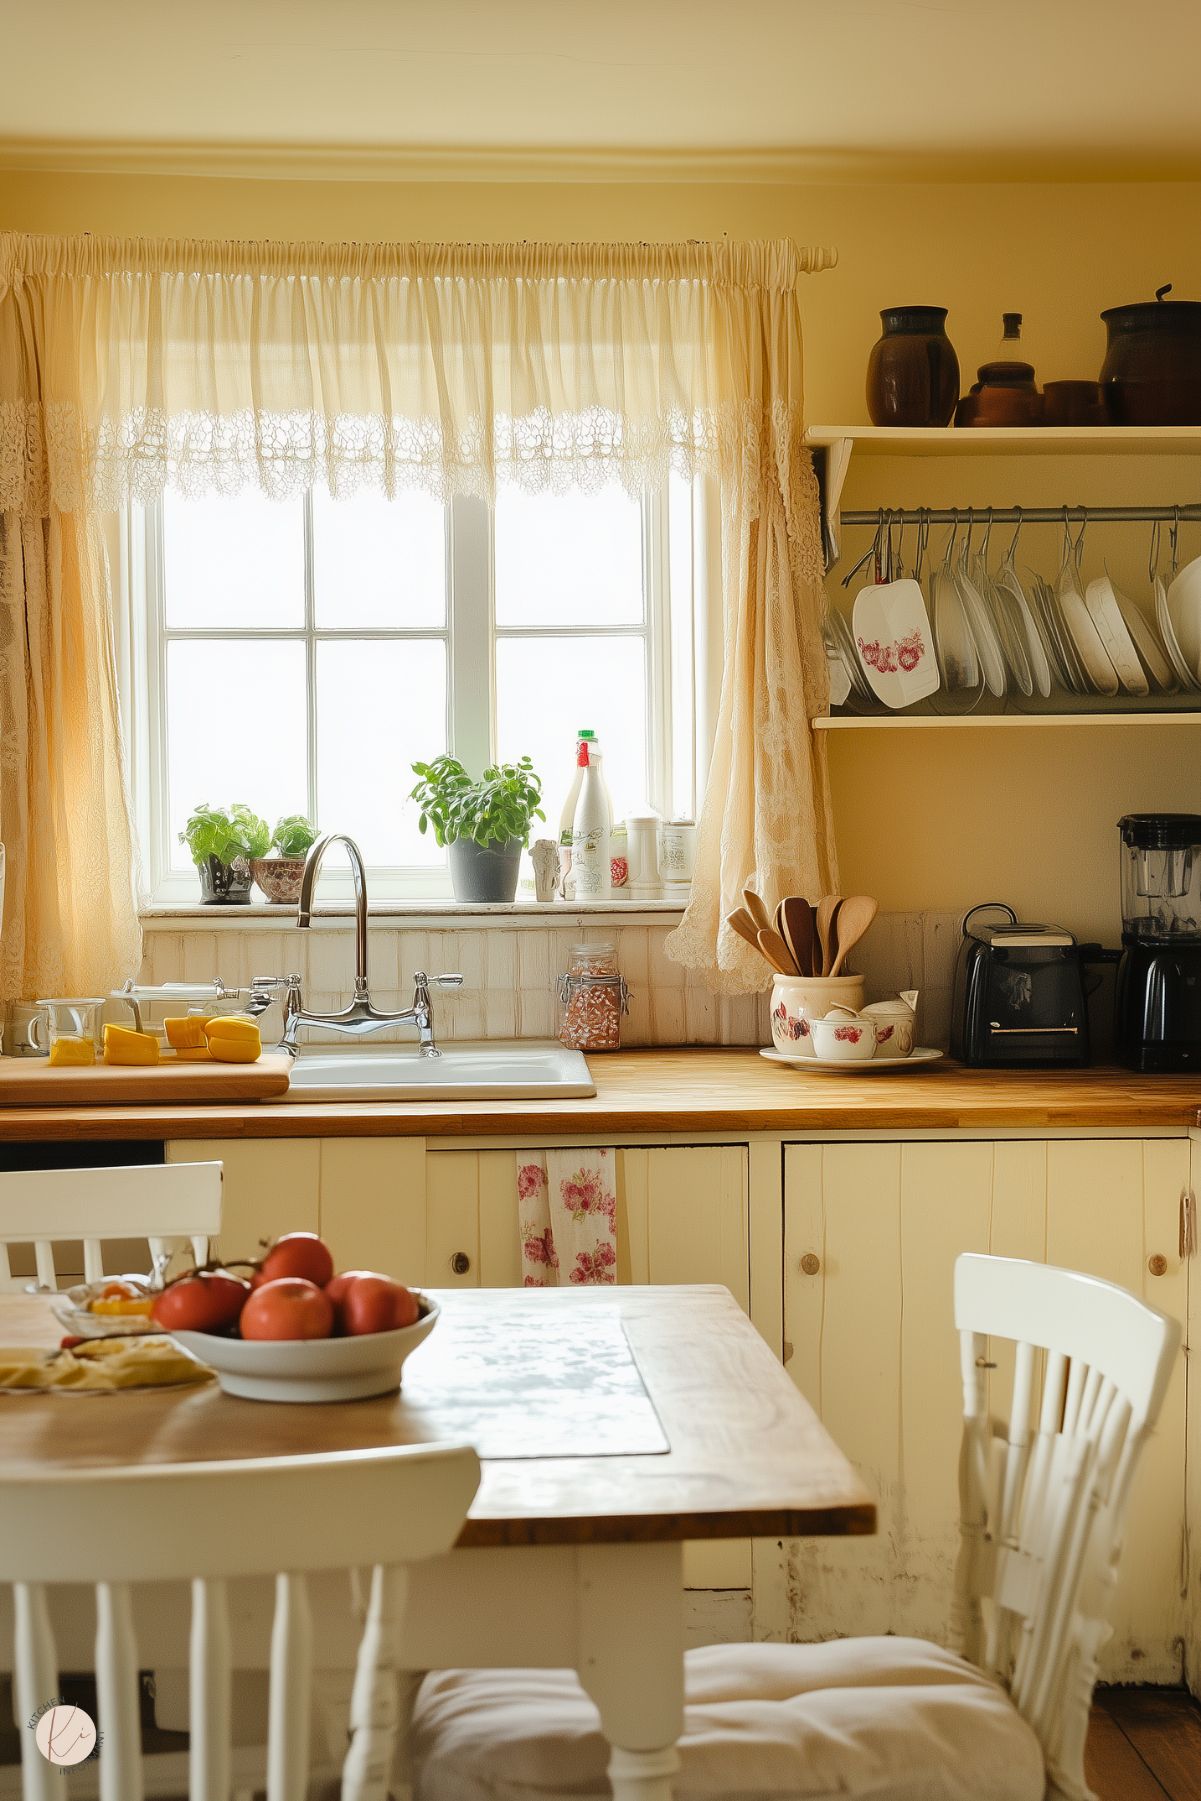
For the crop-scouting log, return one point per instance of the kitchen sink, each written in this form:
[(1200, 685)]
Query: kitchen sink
[(497, 1072)]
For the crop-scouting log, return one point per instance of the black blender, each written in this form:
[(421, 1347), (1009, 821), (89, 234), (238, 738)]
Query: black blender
[(1158, 1025)]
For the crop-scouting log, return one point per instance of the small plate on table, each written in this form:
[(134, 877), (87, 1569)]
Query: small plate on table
[(849, 1066)]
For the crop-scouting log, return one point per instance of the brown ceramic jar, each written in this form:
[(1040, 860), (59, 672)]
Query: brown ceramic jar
[(913, 372)]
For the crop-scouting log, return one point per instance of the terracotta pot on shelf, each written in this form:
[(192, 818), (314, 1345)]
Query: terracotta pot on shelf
[(279, 878), (912, 372), (1074, 403)]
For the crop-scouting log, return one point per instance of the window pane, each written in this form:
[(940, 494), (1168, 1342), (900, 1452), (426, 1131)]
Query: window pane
[(379, 562), (548, 688), (381, 705), (233, 560), (231, 739), (568, 559)]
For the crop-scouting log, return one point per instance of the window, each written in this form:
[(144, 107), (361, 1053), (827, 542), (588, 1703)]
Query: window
[(300, 655)]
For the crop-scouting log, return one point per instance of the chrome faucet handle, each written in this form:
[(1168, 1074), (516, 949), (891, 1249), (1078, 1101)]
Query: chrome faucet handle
[(268, 984), (264, 989), (447, 981)]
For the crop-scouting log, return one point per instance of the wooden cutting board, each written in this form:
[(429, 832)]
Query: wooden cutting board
[(30, 1082)]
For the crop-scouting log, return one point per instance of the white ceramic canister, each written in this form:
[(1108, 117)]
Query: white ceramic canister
[(642, 854), (843, 1037), (795, 1000), (677, 851)]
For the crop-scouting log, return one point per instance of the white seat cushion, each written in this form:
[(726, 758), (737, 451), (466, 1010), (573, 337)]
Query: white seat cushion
[(893, 1718)]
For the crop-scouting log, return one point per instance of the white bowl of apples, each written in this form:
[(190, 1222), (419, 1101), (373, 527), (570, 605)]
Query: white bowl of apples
[(294, 1330)]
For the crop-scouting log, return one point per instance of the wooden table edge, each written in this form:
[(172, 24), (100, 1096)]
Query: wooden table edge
[(857, 1519)]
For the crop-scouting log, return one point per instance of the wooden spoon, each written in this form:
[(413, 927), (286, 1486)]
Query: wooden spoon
[(741, 922), (756, 906), (854, 917), (797, 927), (827, 915), (777, 952)]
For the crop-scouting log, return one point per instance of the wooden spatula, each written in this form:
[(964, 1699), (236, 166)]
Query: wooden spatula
[(756, 906), (741, 922), (797, 927), (827, 914), (777, 952), (854, 917)]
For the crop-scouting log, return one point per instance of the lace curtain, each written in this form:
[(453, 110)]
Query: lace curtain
[(128, 365)]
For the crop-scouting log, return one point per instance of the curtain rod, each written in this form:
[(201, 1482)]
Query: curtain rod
[(875, 516)]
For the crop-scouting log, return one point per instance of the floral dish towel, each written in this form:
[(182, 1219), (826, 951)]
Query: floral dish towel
[(567, 1212)]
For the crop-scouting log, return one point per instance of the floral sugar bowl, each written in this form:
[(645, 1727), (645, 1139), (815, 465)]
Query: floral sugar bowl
[(798, 1000), (594, 996), (895, 1022)]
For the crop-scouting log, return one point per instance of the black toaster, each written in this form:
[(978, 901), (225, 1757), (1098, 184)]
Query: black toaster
[(1019, 997)]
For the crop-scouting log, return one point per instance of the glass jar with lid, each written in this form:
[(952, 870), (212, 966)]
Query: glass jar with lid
[(594, 996)]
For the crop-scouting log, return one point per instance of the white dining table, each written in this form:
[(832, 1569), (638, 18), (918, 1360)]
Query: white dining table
[(614, 1425)]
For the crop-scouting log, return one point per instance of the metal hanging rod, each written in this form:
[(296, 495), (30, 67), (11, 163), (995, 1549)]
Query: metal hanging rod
[(874, 516)]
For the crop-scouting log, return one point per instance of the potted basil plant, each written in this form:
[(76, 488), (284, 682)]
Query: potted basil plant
[(484, 824), (279, 876), (222, 842)]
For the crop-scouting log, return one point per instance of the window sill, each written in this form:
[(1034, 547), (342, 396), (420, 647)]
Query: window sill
[(417, 914)]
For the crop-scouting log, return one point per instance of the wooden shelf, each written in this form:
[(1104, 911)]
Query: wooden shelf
[(1046, 440), (893, 722)]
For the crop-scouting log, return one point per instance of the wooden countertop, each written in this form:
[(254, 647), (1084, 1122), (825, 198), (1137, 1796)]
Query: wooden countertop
[(679, 1091)]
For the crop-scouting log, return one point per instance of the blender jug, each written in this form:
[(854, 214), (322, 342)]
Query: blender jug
[(1161, 877)]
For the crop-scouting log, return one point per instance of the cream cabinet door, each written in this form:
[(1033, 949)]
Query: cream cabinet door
[(682, 1216), (366, 1196), (871, 1236)]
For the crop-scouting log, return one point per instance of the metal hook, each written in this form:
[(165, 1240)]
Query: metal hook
[(1017, 532), (1153, 552), (982, 553), (1083, 511), (1174, 539)]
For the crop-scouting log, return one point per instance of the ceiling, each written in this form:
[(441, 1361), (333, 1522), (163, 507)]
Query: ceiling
[(941, 89)]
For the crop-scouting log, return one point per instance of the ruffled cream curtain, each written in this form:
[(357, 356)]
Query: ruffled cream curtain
[(210, 366)]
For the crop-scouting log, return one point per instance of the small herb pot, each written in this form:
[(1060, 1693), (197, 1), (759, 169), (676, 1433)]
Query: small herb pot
[(224, 884), (279, 878), (485, 872)]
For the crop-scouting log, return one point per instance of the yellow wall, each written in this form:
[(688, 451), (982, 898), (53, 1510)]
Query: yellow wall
[(924, 818)]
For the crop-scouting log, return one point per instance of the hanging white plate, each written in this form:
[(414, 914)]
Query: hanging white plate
[(1119, 647), (1167, 632), (1148, 646), (894, 641), (984, 632), (1100, 672), (956, 647), (849, 1066), (1008, 582), (1184, 610)]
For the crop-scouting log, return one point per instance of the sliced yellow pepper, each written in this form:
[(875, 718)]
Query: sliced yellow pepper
[(188, 1055), (232, 1040), (185, 1034), (123, 1045), (72, 1053)]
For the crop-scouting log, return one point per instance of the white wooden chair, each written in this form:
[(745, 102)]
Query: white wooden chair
[(1043, 1506), (215, 1526), (161, 1203)]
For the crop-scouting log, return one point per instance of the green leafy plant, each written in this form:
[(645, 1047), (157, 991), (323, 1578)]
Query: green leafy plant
[(294, 835), (225, 833), (494, 810)]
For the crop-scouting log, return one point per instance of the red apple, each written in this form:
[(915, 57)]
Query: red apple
[(209, 1301), (288, 1307), (296, 1254), (372, 1303)]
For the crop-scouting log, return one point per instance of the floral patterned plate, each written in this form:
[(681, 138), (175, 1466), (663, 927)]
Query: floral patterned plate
[(892, 636), (847, 1066)]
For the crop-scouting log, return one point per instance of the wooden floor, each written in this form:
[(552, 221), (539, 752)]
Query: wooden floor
[(1145, 1745)]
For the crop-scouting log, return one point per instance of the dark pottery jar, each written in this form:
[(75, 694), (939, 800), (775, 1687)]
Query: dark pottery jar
[(224, 884), (485, 872), (1152, 368), (912, 372)]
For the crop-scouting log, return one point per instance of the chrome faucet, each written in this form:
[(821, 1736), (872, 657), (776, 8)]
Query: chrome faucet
[(360, 1017)]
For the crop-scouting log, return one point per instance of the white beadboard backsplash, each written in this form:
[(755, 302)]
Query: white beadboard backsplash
[(511, 972)]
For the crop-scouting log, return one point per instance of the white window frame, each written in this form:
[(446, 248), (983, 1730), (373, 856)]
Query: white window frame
[(674, 654)]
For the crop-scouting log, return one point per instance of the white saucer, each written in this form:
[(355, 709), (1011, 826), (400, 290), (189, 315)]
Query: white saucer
[(850, 1066)]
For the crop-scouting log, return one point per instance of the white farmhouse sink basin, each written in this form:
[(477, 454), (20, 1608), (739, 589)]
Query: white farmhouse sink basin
[(501, 1072)]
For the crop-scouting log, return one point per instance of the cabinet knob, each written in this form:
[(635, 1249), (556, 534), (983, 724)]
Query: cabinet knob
[(1158, 1265), (460, 1263), (810, 1263)]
